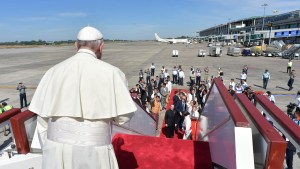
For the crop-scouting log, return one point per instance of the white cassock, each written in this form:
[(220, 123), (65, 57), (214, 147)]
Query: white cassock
[(188, 124), (76, 101)]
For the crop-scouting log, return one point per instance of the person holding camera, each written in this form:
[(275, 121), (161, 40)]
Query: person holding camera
[(22, 90), (291, 149)]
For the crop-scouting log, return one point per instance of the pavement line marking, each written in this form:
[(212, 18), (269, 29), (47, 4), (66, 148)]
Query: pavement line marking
[(15, 87)]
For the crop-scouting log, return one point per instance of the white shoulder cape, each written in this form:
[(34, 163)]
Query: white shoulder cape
[(83, 86)]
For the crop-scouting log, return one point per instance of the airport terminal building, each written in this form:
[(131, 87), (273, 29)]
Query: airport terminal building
[(284, 27)]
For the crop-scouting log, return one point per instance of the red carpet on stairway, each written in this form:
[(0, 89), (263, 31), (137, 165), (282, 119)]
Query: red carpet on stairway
[(145, 152)]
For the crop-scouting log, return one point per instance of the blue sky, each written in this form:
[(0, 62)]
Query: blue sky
[(120, 19)]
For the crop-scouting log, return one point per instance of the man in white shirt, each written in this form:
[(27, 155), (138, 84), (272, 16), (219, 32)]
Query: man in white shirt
[(75, 107), (169, 85), (232, 83), (289, 66), (243, 76), (198, 76), (181, 77), (266, 77), (166, 74), (271, 97), (244, 84), (152, 68), (175, 75)]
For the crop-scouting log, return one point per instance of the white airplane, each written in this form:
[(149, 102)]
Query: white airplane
[(171, 40)]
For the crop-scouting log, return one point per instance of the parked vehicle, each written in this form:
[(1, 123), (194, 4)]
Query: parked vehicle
[(247, 52), (201, 53), (215, 51), (233, 51)]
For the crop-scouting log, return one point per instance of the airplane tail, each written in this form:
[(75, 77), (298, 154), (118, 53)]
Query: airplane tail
[(157, 37)]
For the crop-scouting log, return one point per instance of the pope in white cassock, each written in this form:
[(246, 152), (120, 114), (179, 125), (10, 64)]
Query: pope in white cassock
[(76, 101)]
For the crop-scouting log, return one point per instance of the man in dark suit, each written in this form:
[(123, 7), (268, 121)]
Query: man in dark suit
[(176, 97), (170, 121), (180, 107)]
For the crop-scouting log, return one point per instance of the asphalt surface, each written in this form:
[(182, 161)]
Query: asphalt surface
[(28, 65)]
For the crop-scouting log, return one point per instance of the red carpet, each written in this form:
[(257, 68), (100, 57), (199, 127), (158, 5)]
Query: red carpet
[(133, 151)]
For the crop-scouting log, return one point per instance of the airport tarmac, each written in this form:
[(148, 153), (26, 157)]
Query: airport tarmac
[(28, 65)]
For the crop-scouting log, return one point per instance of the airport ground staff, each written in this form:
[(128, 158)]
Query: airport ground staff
[(6, 106), (76, 101), (266, 77)]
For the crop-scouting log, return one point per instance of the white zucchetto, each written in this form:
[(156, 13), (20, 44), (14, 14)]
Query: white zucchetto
[(89, 33)]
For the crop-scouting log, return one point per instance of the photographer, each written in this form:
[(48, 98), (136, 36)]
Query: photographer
[(291, 149), (21, 87), (290, 109)]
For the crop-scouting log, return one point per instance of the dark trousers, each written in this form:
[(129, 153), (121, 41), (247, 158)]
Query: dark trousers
[(192, 82), (170, 131), (289, 154), (265, 82), (198, 80), (152, 72), (175, 80), (180, 81), (148, 79), (161, 80), (290, 83), (23, 97), (156, 118), (178, 121), (288, 69)]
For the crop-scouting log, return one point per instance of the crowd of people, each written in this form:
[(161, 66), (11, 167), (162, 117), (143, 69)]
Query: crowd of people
[(152, 92)]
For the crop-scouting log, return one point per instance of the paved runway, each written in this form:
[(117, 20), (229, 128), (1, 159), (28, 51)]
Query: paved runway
[(28, 65)]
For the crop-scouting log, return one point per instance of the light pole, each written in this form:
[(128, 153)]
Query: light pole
[(263, 24), (274, 12), (228, 31), (250, 36)]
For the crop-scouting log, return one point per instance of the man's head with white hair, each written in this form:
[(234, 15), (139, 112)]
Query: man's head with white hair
[(90, 38)]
